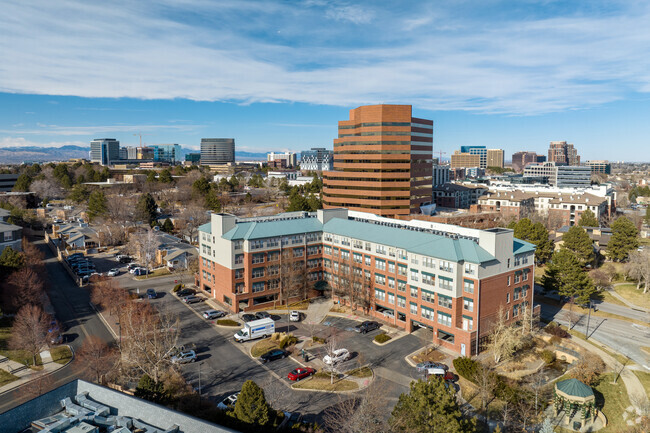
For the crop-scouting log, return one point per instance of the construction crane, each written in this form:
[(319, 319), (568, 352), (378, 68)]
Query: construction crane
[(440, 152), (140, 135)]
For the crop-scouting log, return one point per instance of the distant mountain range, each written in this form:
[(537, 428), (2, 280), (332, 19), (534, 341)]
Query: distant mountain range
[(17, 155)]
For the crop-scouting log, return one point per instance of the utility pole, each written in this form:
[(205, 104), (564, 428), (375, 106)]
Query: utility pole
[(200, 379), (588, 320)]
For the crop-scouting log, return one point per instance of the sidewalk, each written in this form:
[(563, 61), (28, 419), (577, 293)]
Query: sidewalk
[(26, 374), (612, 292)]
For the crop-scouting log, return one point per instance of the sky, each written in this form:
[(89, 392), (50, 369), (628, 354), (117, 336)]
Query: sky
[(278, 75)]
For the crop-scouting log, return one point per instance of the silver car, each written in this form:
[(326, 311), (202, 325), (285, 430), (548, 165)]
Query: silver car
[(228, 402), (184, 357), (213, 314)]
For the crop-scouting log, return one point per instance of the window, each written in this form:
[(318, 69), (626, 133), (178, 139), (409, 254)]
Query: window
[(274, 256), (391, 298), (517, 293), (517, 260), (345, 255), (515, 310), (428, 262), (227, 300), (327, 250), (507, 298), (468, 304), (401, 286), (274, 284), (414, 308), (470, 269), (258, 287), (468, 286), (366, 274), (414, 259), (524, 291), (414, 292), (345, 241), (444, 301), (358, 258), (313, 251), (367, 260), (298, 252), (428, 313), (258, 272), (508, 263), (401, 301), (444, 319), (446, 283), (335, 239), (428, 278), (391, 267), (367, 246), (391, 252), (380, 279), (446, 266), (446, 336), (357, 244), (256, 245), (274, 270), (239, 259), (517, 277), (328, 263), (526, 271), (508, 279), (239, 288), (239, 273), (380, 249), (380, 295), (391, 282), (468, 323), (401, 270), (258, 258), (238, 245), (335, 252), (380, 264), (414, 275), (428, 296)]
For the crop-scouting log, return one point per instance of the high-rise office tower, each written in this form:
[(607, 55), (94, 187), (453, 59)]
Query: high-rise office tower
[(104, 151), (316, 159), (521, 159), (217, 150), (166, 152), (561, 152), (494, 158), (382, 162)]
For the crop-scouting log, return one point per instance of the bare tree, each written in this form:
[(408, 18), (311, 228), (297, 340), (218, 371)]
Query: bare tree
[(288, 271), (96, 357), (525, 410), (144, 245), (29, 331), (190, 219), (120, 211), (149, 337), (363, 413), (639, 268), (108, 294), (504, 337), (486, 380), (507, 413), (46, 189), (331, 346), (28, 287)]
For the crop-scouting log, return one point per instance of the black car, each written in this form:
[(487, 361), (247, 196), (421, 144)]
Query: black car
[(367, 326), (185, 292), (125, 259), (248, 317), (262, 315), (274, 354)]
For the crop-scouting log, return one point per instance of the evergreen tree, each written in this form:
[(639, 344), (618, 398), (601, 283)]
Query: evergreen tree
[(168, 226), (547, 426), (624, 239), (10, 259), (588, 219), (151, 390), (146, 209), (524, 229), (578, 241), (647, 215), (565, 274), (22, 183), (251, 406), (212, 201), (165, 176), (429, 407), (314, 203), (545, 246), (200, 187), (151, 176), (96, 204), (79, 194), (297, 202)]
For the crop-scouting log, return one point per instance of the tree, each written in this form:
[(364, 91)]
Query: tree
[(191, 218), (45, 189), (646, 218), (96, 357), (566, 275), (96, 204), (588, 369), (11, 259), (212, 201), (486, 380), (504, 337), (588, 219), (536, 234), (547, 426), (146, 209), (363, 413), (201, 186), (429, 407), (144, 245), (165, 176), (168, 226), (624, 239), (23, 183), (29, 330), (79, 194), (28, 287), (578, 241), (251, 406), (638, 268), (150, 389)]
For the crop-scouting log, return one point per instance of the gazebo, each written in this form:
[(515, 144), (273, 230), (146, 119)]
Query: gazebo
[(572, 395)]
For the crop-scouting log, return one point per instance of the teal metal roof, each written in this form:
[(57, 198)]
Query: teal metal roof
[(575, 387), (206, 228), (412, 241), (269, 229), (520, 246)]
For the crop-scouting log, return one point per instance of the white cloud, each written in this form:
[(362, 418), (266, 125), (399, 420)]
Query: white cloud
[(22, 142), (44, 129), (362, 53)]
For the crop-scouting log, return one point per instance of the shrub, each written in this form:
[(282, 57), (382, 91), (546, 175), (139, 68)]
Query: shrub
[(466, 367), (547, 356), (382, 338), (555, 330), (227, 322), (288, 341), (588, 369), (177, 287)]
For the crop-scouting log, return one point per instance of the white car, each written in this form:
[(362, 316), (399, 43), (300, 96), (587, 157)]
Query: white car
[(294, 316), (113, 272), (339, 355), (228, 402)]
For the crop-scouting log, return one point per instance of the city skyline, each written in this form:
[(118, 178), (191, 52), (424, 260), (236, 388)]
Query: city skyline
[(278, 76)]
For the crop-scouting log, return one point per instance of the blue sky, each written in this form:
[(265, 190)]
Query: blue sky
[(277, 75)]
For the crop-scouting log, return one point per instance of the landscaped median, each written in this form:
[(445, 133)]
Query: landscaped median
[(352, 380), (278, 340), (61, 354), (160, 272)]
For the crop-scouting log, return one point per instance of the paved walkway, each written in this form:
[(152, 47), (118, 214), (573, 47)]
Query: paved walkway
[(613, 292), (26, 374)]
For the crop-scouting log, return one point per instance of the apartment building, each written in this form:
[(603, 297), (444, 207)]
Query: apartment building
[(511, 204), (450, 279), (453, 195), (569, 208), (382, 162), (562, 152)]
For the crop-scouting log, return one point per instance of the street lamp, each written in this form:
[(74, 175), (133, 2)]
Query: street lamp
[(588, 320)]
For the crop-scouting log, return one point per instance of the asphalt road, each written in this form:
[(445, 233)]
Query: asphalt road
[(72, 307)]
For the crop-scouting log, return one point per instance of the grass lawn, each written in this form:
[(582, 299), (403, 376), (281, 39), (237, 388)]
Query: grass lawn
[(539, 273), (61, 354), (360, 372), (645, 380), (615, 401), (637, 297), (302, 305), (15, 355), (607, 297), (156, 273), (6, 378), (261, 347), (321, 381)]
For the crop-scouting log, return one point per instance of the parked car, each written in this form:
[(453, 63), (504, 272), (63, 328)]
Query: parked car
[(228, 402), (274, 354), (54, 333), (424, 366), (184, 357), (367, 326), (132, 266), (262, 315), (339, 355), (248, 317), (294, 316), (447, 376), (301, 373), (140, 271), (185, 292), (151, 294), (192, 299), (113, 272), (213, 314)]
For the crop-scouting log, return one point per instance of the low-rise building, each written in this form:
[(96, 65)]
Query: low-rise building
[(569, 208), (452, 195), (289, 158), (515, 204), (412, 274), (77, 236), (317, 159), (11, 235)]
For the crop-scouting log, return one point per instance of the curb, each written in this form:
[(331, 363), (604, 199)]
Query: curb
[(361, 388), (104, 321), (42, 375)]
